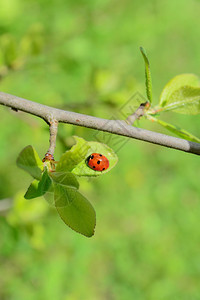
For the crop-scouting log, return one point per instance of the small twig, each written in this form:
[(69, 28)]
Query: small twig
[(140, 111), (53, 128), (53, 134)]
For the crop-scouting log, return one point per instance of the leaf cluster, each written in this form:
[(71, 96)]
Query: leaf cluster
[(59, 184), (181, 95)]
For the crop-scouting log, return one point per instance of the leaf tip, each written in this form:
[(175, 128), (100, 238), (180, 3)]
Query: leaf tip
[(142, 50)]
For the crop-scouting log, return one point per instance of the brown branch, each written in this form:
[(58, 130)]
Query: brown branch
[(118, 127)]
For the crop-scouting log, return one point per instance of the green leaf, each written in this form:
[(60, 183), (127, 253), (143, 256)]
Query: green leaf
[(49, 196), (78, 161), (65, 178), (62, 178), (75, 210), (185, 100), (175, 84), (176, 130), (147, 75), (39, 188), (29, 161), (74, 156)]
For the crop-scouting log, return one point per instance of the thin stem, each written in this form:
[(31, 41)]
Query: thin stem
[(53, 134), (118, 127), (140, 111)]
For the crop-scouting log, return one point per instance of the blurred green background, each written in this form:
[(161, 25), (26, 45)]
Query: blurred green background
[(84, 56)]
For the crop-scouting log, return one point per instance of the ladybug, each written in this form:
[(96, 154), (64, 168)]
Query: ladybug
[(97, 162)]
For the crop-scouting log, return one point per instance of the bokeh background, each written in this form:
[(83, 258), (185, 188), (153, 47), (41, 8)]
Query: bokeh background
[(84, 56)]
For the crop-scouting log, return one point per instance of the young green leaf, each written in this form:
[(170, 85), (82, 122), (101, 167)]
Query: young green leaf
[(185, 100), (29, 161), (38, 188), (75, 210), (70, 159), (65, 178), (76, 158), (33, 190), (49, 195), (176, 130), (62, 178), (147, 75), (176, 83)]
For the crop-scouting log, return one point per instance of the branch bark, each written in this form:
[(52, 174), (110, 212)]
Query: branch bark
[(119, 127), (53, 128)]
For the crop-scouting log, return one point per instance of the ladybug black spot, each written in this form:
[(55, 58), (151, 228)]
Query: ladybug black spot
[(93, 167), (100, 154), (103, 169), (98, 162)]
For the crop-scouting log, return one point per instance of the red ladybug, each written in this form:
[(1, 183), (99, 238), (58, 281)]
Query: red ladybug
[(97, 162)]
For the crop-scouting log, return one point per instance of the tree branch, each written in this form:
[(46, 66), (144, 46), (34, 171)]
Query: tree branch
[(118, 127)]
